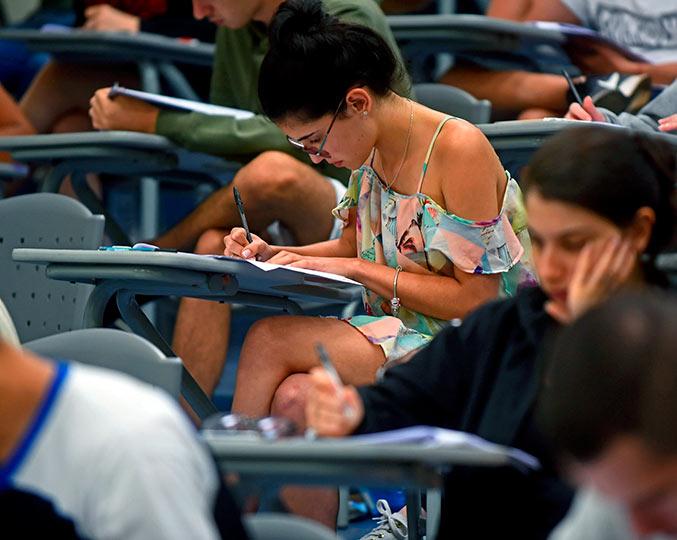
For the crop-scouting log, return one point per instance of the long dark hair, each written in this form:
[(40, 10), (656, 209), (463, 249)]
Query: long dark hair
[(314, 59), (612, 172)]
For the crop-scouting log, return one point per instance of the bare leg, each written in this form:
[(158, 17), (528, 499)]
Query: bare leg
[(290, 400), (203, 327), (274, 186), (511, 91), (277, 347), (61, 87)]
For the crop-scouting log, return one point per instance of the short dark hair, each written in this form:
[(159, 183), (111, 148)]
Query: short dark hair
[(613, 372), (612, 172), (314, 59)]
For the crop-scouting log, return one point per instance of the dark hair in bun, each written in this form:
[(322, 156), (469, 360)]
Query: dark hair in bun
[(314, 59)]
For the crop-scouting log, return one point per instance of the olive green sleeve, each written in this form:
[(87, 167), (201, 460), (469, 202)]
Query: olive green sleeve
[(222, 135)]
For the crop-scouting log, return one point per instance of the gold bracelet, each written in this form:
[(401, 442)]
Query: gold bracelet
[(395, 301)]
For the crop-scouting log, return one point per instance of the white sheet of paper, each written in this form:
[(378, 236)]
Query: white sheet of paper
[(180, 104)]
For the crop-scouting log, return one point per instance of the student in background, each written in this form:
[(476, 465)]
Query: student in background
[(609, 405), (286, 197), (590, 238), (660, 114), (647, 27), (86, 453), (58, 98)]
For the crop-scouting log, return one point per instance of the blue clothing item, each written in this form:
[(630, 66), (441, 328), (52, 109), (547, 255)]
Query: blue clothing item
[(19, 65)]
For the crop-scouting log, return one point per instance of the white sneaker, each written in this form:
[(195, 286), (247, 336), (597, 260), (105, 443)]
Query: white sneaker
[(391, 526)]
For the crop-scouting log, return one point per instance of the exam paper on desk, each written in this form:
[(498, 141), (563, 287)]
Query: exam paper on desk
[(267, 267)]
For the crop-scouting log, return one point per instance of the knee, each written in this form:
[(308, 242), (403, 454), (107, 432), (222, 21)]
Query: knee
[(270, 177), (260, 349), (290, 398), (210, 242)]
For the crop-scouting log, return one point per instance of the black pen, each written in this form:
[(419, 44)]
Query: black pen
[(572, 87), (240, 209)]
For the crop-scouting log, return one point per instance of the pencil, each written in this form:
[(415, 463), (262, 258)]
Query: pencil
[(572, 87)]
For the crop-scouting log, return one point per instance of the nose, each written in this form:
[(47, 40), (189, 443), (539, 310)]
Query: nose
[(550, 266), (316, 159)]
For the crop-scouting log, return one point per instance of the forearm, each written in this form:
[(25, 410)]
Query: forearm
[(660, 73), (222, 135), (437, 296)]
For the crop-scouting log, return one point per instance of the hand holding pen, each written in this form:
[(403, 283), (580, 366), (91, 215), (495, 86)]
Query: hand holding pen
[(581, 109), (241, 242), (332, 409)]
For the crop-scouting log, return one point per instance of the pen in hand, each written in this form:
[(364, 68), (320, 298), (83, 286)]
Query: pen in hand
[(572, 87), (240, 209), (331, 370)]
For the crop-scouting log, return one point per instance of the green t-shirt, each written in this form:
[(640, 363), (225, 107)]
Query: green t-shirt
[(238, 58)]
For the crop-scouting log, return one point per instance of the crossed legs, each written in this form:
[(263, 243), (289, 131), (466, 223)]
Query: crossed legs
[(274, 186)]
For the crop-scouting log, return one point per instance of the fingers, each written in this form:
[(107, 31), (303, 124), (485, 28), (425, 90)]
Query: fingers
[(668, 123), (284, 258), (327, 405), (236, 245), (576, 112), (97, 108), (591, 110)]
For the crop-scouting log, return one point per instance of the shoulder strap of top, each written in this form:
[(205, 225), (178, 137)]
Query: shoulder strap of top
[(430, 151)]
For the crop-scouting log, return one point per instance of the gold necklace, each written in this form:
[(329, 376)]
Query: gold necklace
[(406, 148)]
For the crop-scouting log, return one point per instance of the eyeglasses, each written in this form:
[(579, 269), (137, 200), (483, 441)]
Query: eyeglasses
[(317, 151)]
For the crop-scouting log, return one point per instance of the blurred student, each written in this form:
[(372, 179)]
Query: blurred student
[(609, 404), (87, 453), (58, 98), (590, 238), (647, 27)]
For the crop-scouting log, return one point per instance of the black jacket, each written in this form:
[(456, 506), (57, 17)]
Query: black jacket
[(482, 377)]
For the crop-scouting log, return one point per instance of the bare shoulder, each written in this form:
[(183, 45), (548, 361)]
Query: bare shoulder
[(471, 176)]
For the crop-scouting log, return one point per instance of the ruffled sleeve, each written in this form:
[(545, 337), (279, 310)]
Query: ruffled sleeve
[(476, 247), (350, 197)]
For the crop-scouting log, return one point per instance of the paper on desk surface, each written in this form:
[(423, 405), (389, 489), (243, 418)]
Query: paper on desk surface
[(267, 267), (435, 436)]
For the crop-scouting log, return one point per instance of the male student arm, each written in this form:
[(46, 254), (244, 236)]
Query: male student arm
[(597, 58)]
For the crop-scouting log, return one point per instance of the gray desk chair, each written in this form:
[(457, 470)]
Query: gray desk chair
[(116, 350), (40, 306), (273, 526), (454, 101)]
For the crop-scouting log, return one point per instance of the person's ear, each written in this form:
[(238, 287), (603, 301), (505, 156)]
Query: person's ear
[(639, 231), (359, 102)]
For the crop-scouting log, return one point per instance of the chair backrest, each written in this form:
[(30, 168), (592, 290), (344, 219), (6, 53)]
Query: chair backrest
[(116, 350), (40, 306), (274, 526), (453, 101)]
